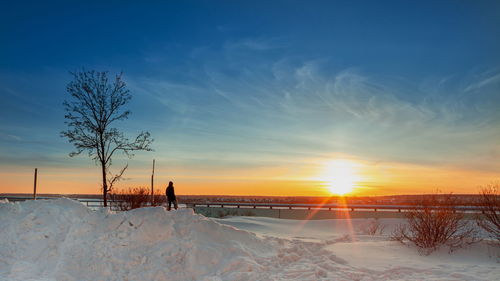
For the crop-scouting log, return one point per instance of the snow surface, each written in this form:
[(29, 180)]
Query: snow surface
[(64, 240)]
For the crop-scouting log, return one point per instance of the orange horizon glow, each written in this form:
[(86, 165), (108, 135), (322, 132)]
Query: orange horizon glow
[(337, 176)]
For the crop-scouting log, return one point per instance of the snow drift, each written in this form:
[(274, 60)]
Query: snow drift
[(64, 240)]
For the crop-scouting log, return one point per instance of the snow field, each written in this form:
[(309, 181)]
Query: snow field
[(64, 240)]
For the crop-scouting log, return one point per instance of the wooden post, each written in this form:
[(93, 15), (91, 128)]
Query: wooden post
[(152, 184), (34, 186)]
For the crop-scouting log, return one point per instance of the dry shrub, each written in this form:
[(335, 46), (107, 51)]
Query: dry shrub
[(137, 197), (435, 223), (131, 198), (489, 200), (374, 227), (159, 197)]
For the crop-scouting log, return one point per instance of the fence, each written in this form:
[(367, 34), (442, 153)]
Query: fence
[(351, 207), (317, 211), (89, 202)]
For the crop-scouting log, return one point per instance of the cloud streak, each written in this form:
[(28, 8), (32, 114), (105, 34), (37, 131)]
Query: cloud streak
[(251, 103)]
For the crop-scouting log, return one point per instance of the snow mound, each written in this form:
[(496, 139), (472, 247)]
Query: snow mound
[(64, 240)]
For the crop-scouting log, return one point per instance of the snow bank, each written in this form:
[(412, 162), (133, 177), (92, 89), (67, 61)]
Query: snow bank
[(64, 240)]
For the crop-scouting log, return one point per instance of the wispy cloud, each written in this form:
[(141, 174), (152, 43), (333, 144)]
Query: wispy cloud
[(489, 78), (254, 44), (242, 105), (9, 137)]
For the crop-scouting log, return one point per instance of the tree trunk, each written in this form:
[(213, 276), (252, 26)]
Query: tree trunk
[(104, 185)]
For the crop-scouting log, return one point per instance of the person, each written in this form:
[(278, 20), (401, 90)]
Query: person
[(171, 196)]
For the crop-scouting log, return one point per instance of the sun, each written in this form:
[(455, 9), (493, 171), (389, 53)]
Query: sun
[(341, 176)]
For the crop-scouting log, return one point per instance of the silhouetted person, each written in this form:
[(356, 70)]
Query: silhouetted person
[(171, 196)]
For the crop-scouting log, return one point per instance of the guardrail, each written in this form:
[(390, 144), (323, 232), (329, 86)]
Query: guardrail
[(96, 203), (17, 198), (89, 202), (351, 207)]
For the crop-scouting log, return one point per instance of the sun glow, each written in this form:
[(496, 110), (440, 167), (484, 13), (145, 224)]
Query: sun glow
[(341, 176)]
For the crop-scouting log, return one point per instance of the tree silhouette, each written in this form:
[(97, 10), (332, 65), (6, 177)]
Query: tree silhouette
[(90, 114)]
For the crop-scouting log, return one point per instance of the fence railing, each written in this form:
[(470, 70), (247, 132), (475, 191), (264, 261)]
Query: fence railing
[(330, 207), (89, 202), (97, 203)]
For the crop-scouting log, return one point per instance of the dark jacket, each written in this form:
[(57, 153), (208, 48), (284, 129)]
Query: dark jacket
[(170, 193)]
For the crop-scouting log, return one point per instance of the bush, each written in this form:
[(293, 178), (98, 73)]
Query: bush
[(137, 197), (159, 197), (489, 200), (429, 227), (132, 198)]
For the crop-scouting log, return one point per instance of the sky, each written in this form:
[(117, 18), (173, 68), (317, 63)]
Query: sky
[(261, 97)]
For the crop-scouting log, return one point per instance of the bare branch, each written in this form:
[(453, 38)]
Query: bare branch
[(116, 178)]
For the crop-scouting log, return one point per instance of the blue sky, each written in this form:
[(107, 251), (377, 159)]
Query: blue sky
[(230, 88)]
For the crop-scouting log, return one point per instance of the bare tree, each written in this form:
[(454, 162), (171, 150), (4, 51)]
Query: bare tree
[(97, 103), (489, 200)]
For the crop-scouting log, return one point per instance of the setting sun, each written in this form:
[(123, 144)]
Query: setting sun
[(340, 176)]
